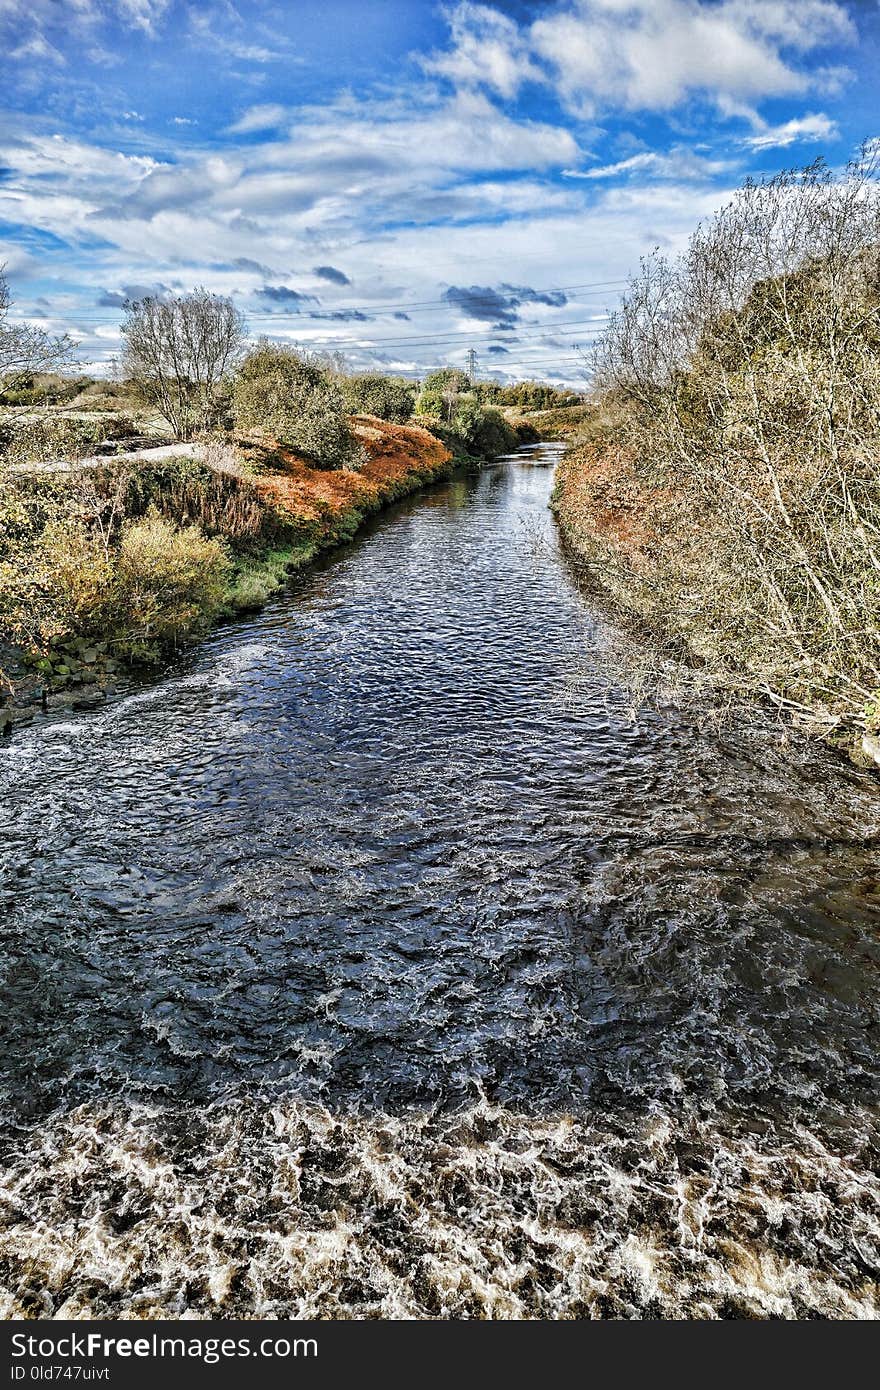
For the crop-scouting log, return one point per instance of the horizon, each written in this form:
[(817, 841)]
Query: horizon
[(400, 183)]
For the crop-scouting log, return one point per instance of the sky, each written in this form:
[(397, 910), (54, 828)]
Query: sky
[(397, 180)]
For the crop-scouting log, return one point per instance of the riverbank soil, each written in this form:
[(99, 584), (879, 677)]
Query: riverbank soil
[(398, 459)]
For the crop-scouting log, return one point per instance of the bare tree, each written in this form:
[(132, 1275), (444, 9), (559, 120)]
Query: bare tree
[(180, 352), (748, 372), (25, 348)]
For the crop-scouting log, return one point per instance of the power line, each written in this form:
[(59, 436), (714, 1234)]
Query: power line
[(533, 330), (437, 341), (378, 307)]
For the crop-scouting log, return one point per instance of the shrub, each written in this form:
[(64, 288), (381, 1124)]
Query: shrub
[(160, 584), (493, 435), (214, 493), (388, 397), (743, 380), (29, 502), (535, 395), (169, 581), (63, 586), (281, 393), (44, 438), (477, 431), (441, 391)]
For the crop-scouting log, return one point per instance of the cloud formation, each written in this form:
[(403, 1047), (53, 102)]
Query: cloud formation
[(679, 163), (499, 307), (129, 293), (648, 55), (270, 116), (795, 131), (285, 294), (455, 196), (329, 272), (344, 316), (488, 49)]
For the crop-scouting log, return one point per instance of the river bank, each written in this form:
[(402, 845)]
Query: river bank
[(314, 510), (637, 544), (270, 510)]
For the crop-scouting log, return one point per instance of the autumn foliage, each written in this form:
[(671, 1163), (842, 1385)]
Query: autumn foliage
[(399, 458)]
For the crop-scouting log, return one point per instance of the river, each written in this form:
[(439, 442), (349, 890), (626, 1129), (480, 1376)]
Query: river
[(378, 961)]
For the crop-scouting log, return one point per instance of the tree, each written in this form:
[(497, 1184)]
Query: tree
[(179, 352), (388, 397), (25, 348), (440, 392), (279, 391)]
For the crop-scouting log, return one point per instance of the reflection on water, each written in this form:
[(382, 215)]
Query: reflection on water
[(358, 968)]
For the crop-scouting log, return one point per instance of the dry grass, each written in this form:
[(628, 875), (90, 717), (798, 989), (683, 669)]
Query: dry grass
[(397, 457), (728, 494)]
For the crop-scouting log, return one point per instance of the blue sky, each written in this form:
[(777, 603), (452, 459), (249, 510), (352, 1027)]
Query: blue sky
[(399, 180)]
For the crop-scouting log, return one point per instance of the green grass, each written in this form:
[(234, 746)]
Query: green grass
[(258, 576)]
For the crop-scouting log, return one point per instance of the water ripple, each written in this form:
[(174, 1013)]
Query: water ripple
[(392, 856)]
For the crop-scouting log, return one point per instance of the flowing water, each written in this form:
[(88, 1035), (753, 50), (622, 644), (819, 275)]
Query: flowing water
[(378, 962)]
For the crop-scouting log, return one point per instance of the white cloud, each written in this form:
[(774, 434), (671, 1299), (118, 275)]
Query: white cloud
[(41, 16), (680, 163), (267, 117), (649, 54), (142, 14), (401, 192), (15, 260), (75, 162), (350, 167), (488, 49), (800, 24), (37, 49), (221, 27), (417, 188), (802, 128)]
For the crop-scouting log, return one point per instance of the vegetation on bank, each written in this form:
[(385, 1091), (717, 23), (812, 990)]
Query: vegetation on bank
[(281, 395), (140, 557), (109, 556), (726, 489), (559, 422), (460, 413)]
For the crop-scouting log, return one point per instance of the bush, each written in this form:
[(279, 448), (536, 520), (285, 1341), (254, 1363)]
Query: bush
[(535, 395), (475, 431), (494, 435), (388, 397), (282, 394), (214, 493), (61, 587), (161, 583), (169, 581), (440, 393), (45, 388), (743, 382), (42, 439)]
